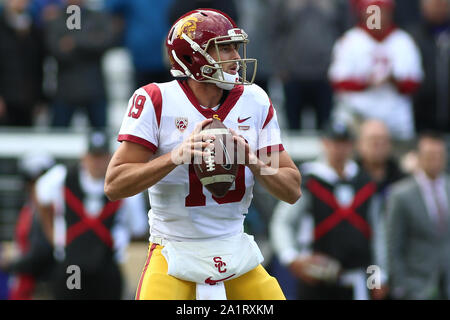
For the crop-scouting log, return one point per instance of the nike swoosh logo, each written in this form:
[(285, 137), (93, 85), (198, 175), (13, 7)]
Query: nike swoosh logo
[(213, 282), (242, 120)]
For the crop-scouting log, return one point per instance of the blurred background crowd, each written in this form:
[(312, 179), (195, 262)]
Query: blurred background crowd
[(374, 103)]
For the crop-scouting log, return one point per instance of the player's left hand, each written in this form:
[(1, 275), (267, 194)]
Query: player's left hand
[(193, 146), (244, 153)]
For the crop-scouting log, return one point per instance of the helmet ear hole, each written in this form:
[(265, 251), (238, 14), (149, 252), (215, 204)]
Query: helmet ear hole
[(188, 59)]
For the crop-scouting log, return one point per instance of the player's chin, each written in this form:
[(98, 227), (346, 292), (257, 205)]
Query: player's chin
[(232, 70)]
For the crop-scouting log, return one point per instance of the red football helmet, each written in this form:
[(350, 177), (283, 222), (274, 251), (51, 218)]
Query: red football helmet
[(189, 40)]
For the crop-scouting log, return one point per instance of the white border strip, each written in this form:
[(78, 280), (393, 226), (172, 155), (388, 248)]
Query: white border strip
[(219, 178), (216, 131)]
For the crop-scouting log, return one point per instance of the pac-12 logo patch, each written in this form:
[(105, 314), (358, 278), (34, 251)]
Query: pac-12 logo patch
[(181, 123)]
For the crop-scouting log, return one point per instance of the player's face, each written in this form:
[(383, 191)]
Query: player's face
[(225, 52)]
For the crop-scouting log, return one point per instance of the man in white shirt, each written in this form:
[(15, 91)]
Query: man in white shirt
[(374, 71), (86, 229)]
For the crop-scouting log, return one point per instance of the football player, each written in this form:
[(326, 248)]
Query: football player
[(197, 245)]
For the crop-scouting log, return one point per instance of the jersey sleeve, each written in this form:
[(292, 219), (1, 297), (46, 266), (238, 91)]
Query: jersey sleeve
[(142, 118), (406, 64), (270, 138), (342, 73)]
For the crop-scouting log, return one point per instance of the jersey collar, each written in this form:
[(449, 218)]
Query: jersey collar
[(224, 109)]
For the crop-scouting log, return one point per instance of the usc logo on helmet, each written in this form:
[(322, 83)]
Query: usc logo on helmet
[(188, 26)]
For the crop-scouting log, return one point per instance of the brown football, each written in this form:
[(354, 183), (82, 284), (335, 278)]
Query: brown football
[(217, 172)]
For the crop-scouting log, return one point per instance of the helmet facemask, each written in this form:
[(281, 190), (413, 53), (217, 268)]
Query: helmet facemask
[(223, 79), (213, 71)]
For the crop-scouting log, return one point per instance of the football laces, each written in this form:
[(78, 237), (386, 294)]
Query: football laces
[(210, 164)]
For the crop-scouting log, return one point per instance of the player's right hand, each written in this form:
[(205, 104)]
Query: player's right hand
[(193, 146)]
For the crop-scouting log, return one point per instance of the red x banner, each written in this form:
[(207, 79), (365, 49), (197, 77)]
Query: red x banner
[(86, 223), (340, 213)]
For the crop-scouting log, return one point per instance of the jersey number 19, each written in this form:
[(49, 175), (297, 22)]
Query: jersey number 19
[(196, 197)]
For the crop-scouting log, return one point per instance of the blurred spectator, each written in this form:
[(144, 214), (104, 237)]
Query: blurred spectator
[(79, 53), (407, 13), (432, 102), (257, 20), (419, 227), (180, 7), (258, 218), (305, 31), (374, 71), (21, 64), (85, 228), (35, 261), (375, 155), (145, 25), (42, 10), (328, 237), (4, 277)]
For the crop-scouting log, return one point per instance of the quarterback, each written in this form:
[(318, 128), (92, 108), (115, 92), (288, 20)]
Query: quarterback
[(198, 248)]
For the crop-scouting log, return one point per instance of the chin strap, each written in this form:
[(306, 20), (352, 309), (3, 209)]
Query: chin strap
[(233, 78)]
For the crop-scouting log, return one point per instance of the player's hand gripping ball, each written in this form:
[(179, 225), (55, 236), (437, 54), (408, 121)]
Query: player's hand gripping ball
[(217, 171)]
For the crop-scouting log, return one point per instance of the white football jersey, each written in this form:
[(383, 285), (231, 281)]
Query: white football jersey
[(160, 116), (357, 56)]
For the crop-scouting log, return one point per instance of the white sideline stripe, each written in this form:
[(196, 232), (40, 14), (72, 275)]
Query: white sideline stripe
[(216, 131), (219, 178), (15, 142)]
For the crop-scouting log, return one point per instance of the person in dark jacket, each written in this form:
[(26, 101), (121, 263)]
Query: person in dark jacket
[(179, 7), (86, 230), (305, 33), (21, 65), (79, 53), (144, 25), (432, 35), (328, 239), (35, 262), (374, 154)]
